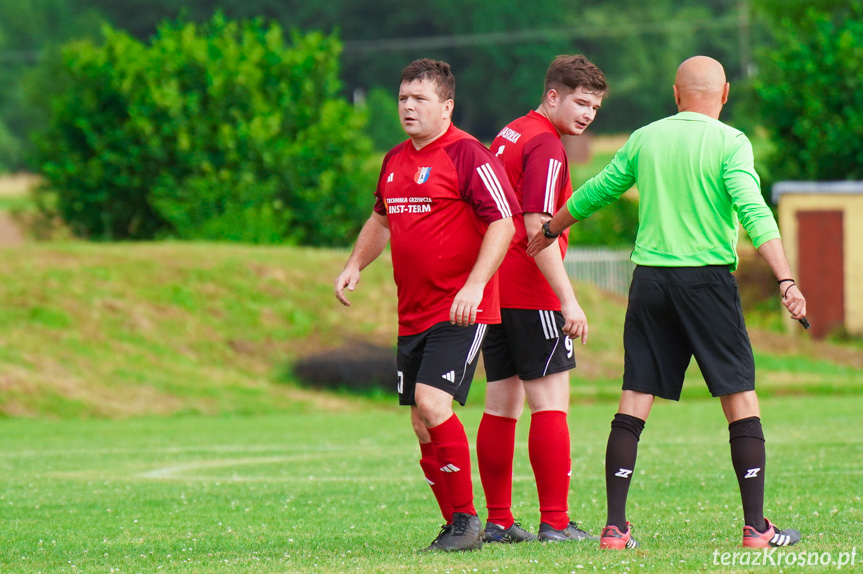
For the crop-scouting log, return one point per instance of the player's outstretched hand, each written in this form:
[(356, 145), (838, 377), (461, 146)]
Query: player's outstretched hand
[(465, 305), (794, 301), (348, 278), (538, 242), (575, 321)]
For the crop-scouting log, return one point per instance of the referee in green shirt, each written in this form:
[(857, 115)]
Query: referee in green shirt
[(696, 182)]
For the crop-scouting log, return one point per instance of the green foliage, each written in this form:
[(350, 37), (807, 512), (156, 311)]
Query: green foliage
[(9, 153), (615, 225), (499, 49), (215, 131), (30, 31), (384, 127), (810, 90)]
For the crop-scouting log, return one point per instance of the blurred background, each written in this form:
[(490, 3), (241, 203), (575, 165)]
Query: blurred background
[(147, 145), (147, 102)]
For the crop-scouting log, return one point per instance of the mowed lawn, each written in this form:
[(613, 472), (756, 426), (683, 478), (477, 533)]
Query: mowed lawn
[(339, 492)]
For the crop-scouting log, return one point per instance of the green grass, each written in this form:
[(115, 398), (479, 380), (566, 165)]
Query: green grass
[(16, 202), (95, 330), (129, 329), (325, 492)]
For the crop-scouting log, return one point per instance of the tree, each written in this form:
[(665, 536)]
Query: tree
[(499, 49), (213, 131), (810, 89), (30, 30)]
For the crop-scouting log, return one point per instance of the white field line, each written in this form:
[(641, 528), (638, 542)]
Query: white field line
[(178, 471), (89, 452), (170, 471)]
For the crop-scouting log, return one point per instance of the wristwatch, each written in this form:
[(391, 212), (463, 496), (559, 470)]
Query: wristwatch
[(547, 232)]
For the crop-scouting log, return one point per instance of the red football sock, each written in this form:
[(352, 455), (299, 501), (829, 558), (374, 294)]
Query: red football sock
[(495, 446), (548, 446), (453, 456), (435, 478)]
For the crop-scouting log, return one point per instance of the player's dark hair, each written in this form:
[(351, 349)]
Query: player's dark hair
[(433, 71), (566, 73)]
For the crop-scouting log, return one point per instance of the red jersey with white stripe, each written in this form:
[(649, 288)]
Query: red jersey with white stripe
[(439, 201), (536, 165)]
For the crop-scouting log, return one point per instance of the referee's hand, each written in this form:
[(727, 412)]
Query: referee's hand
[(794, 301), (538, 242)]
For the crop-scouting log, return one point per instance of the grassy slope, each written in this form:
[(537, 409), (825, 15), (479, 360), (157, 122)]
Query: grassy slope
[(119, 330), (162, 328)]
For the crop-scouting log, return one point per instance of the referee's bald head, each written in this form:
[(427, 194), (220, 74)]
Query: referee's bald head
[(700, 74), (700, 86)]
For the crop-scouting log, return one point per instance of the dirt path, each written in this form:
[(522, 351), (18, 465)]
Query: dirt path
[(10, 234), (13, 186)]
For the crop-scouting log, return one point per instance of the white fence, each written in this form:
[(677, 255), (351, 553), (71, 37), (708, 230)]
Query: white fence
[(608, 269)]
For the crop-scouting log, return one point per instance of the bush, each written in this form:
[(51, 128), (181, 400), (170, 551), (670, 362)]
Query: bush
[(360, 367), (215, 131), (810, 90)]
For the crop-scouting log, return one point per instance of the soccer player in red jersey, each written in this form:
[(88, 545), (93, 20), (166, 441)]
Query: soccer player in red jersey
[(446, 207), (530, 353)]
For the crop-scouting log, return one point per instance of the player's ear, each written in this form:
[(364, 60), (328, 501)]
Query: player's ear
[(552, 97), (448, 107)]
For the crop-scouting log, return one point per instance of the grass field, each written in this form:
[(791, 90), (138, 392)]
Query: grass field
[(343, 492)]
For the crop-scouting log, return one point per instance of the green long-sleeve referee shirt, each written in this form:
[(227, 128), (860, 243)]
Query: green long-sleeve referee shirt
[(696, 182)]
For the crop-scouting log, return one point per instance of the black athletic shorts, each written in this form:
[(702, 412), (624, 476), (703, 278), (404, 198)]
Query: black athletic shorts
[(443, 357), (528, 343), (676, 313)]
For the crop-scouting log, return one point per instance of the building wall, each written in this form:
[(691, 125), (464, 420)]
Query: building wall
[(852, 207)]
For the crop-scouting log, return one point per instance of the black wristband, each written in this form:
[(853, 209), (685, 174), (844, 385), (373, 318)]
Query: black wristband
[(547, 232), (781, 281), (789, 288)]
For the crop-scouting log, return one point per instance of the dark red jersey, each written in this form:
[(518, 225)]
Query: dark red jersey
[(536, 165), (439, 201)]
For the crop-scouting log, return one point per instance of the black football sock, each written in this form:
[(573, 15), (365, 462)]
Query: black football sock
[(749, 458), (619, 465)]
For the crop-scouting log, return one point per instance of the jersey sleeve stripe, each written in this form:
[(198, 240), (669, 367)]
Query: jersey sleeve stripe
[(494, 188), (556, 185), (551, 184)]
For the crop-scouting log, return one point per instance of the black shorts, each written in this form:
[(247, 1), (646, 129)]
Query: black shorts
[(443, 357), (676, 313), (529, 343)]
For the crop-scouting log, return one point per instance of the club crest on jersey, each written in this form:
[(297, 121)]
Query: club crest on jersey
[(422, 175)]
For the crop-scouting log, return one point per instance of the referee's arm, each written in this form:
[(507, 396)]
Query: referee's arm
[(599, 191)]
